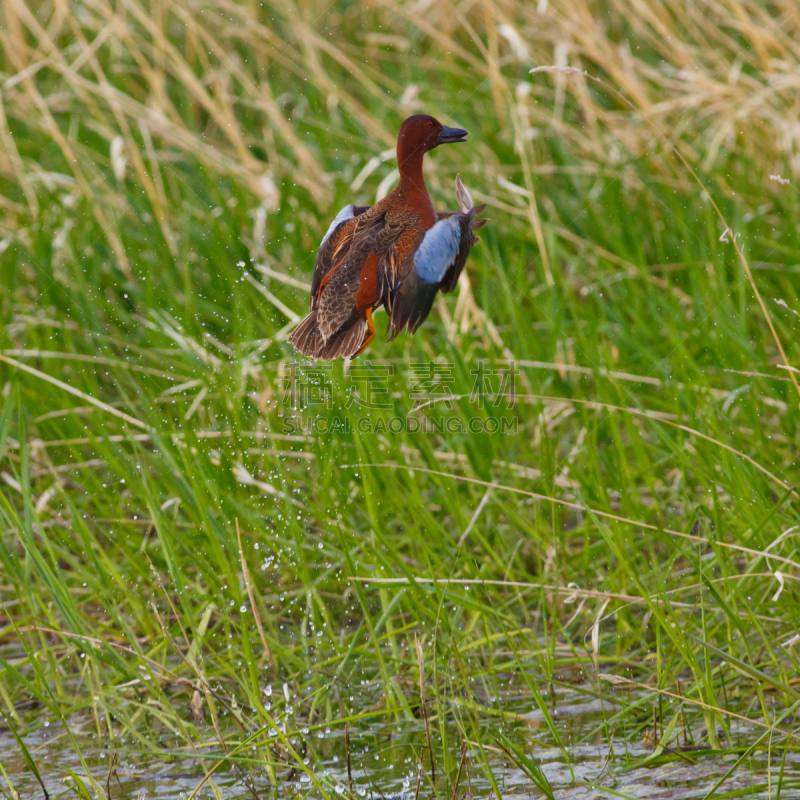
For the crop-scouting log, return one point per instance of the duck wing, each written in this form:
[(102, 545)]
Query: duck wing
[(338, 287), (435, 264), (334, 246), (468, 224)]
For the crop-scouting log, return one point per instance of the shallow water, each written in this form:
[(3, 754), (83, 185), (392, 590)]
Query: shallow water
[(385, 761)]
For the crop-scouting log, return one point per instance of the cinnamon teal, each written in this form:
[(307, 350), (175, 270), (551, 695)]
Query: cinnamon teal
[(398, 254)]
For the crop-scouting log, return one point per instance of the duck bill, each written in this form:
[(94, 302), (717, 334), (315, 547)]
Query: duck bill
[(451, 135)]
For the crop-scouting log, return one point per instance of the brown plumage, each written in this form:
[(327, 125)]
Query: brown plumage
[(398, 254)]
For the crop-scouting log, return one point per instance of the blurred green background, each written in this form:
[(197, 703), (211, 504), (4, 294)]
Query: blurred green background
[(166, 173)]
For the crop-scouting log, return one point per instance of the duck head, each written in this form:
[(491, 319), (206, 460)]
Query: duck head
[(421, 133)]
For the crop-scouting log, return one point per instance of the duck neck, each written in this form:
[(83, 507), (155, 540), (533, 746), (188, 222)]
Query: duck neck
[(410, 167)]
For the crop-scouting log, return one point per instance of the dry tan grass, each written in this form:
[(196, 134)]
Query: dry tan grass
[(209, 81)]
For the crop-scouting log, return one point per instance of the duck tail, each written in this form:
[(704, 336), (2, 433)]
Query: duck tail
[(343, 343), (307, 337)]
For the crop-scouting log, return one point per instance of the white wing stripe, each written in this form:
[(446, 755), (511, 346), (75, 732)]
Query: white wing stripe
[(438, 250), (345, 214)]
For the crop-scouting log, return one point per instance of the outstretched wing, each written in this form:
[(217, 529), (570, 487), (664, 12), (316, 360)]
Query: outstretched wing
[(334, 246), (436, 264), (468, 225)]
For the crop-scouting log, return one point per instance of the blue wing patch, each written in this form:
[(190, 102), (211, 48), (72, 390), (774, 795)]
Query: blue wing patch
[(438, 250), (345, 214)]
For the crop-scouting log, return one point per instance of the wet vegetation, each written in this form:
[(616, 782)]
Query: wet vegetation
[(547, 547)]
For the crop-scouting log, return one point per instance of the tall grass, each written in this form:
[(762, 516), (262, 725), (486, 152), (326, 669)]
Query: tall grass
[(198, 535)]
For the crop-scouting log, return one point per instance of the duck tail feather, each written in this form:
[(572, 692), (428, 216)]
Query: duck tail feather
[(307, 337), (346, 342)]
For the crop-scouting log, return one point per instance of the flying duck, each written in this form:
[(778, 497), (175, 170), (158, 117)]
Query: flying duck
[(398, 254)]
